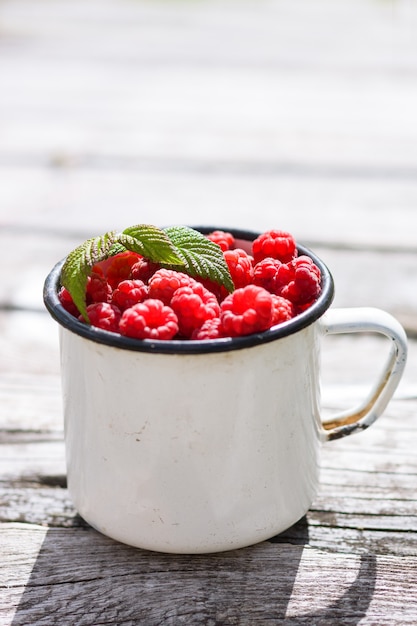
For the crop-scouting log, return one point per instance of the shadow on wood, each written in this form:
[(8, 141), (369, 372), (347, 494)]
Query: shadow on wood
[(81, 577)]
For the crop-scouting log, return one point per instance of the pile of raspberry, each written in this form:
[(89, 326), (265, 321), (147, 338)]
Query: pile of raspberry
[(130, 295)]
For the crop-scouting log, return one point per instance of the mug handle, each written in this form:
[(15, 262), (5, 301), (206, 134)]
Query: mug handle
[(363, 319)]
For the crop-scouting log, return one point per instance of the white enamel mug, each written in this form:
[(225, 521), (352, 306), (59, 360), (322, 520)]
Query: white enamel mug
[(206, 446)]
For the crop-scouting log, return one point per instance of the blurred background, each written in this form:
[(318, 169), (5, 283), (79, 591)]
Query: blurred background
[(293, 114)]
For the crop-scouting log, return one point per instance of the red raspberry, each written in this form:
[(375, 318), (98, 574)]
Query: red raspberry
[(143, 270), (164, 283), (103, 315), (277, 244), (240, 265), (117, 267), (245, 311), (283, 310), (299, 281), (149, 320), (194, 305), (225, 240), (265, 273), (67, 302), (128, 293), (211, 329), (218, 290), (98, 289)]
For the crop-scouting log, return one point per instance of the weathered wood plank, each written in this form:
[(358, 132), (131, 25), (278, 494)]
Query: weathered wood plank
[(30, 405), (113, 583), (29, 346), (351, 210), (173, 33), (28, 461), (193, 118), (16, 573), (171, 94), (354, 483), (354, 540), (187, 133)]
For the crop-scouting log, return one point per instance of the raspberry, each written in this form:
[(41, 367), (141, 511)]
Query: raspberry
[(211, 329), (98, 289), (117, 267), (143, 270), (164, 283), (245, 311), (265, 273), (225, 240), (218, 290), (283, 310), (277, 244), (67, 302), (194, 305), (128, 293), (149, 320), (298, 281), (240, 266), (103, 315)]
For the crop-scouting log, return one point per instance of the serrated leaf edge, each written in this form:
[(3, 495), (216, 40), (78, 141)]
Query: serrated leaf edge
[(79, 262)]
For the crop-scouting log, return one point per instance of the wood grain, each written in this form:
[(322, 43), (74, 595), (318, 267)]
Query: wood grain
[(282, 121), (117, 584), (256, 114)]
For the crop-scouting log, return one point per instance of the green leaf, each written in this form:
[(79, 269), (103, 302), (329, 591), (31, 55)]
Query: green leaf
[(202, 257), (78, 264), (152, 243), (179, 247), (116, 248)]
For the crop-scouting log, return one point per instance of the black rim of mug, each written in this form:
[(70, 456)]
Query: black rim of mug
[(184, 346)]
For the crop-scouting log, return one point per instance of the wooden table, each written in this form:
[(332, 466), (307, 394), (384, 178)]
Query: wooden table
[(298, 115)]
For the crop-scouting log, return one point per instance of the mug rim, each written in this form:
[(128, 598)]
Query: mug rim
[(186, 346)]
